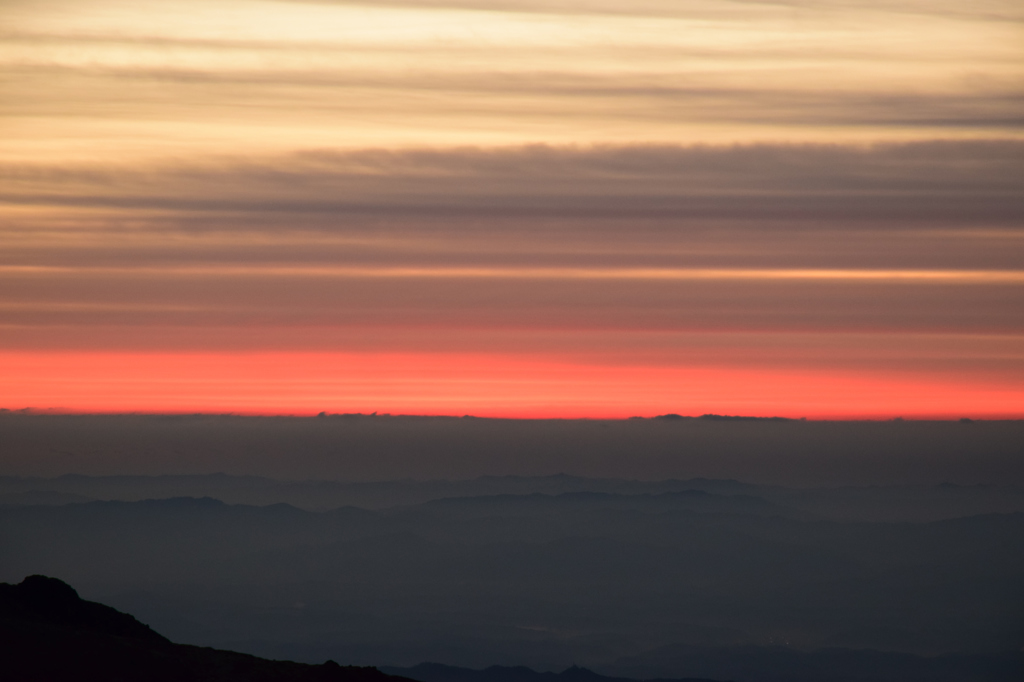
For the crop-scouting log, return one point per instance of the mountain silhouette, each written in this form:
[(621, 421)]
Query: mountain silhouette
[(47, 632)]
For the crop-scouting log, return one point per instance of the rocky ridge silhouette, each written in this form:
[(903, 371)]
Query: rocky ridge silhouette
[(47, 632)]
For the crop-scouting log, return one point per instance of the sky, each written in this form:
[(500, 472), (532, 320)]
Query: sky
[(517, 208)]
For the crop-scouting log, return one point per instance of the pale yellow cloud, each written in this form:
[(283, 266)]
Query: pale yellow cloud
[(102, 79)]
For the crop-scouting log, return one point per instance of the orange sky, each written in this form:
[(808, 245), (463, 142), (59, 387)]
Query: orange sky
[(494, 385), (513, 208)]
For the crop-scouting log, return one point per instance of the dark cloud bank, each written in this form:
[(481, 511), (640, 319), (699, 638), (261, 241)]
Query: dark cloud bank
[(367, 448), (939, 179)]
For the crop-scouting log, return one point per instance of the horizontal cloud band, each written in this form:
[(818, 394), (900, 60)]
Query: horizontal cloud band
[(541, 273), (962, 181)]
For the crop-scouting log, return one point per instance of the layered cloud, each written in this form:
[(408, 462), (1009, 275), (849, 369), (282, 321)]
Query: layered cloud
[(100, 78), (928, 180), (782, 189)]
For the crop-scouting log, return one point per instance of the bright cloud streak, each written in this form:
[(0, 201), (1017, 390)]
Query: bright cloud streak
[(535, 273)]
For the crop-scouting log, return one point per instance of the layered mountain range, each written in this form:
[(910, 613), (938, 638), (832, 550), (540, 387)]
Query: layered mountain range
[(642, 580)]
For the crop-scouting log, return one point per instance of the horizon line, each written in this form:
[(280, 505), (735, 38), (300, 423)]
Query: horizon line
[(667, 417)]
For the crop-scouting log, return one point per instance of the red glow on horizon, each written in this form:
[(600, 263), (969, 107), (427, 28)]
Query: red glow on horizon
[(268, 383)]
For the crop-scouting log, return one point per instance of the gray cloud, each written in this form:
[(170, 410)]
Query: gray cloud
[(972, 180)]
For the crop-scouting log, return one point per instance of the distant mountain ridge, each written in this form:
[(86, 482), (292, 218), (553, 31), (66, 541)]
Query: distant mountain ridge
[(436, 672), (763, 664), (865, 503), (647, 585)]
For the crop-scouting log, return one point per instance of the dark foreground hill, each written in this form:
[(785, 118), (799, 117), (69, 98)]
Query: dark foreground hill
[(48, 633)]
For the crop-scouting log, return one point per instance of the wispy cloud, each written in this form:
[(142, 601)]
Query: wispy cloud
[(183, 77)]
